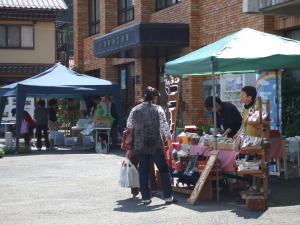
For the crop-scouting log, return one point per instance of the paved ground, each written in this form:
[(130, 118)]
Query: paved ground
[(81, 187)]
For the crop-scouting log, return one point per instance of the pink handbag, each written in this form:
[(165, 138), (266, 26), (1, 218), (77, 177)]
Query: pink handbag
[(24, 127), (127, 139)]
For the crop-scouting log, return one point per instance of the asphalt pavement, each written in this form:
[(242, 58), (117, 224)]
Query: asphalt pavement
[(79, 186)]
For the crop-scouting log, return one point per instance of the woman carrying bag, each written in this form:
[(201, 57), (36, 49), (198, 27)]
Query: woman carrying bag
[(31, 125), (149, 123)]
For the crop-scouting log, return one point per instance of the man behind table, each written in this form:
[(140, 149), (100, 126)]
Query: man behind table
[(227, 115)]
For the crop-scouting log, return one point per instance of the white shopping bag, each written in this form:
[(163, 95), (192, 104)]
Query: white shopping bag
[(129, 176), (101, 147)]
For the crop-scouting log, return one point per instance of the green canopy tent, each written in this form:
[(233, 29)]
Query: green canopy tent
[(244, 51)]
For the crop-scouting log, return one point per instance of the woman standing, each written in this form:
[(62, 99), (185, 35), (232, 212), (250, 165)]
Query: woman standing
[(101, 107), (152, 177), (248, 96), (148, 121), (31, 125)]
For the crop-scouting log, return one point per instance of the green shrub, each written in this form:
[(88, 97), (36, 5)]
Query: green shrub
[(206, 128), (290, 105), (24, 149), (1, 152), (9, 149)]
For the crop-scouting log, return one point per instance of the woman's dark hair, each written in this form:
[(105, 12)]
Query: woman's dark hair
[(96, 97), (107, 98), (250, 91), (52, 102), (150, 93), (41, 103), (209, 102)]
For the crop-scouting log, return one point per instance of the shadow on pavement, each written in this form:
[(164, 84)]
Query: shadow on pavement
[(134, 206)]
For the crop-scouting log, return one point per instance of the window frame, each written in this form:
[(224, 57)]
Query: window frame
[(127, 99), (165, 3), (125, 10), (93, 12), (19, 26)]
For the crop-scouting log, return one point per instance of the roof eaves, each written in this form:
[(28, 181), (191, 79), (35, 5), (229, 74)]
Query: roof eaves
[(53, 5)]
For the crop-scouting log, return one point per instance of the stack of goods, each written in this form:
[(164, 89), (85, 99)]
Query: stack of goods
[(188, 138), (250, 165), (222, 142), (190, 165), (250, 141), (254, 116)]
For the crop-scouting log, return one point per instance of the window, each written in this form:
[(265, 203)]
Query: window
[(127, 81), (94, 73), (16, 36), (125, 11), (162, 4), (94, 17)]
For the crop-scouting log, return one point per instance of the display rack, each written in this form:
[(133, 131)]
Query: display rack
[(261, 151)]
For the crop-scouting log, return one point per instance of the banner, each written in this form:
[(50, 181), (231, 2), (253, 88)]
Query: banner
[(268, 86)]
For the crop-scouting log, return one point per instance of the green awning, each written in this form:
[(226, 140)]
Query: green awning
[(245, 51)]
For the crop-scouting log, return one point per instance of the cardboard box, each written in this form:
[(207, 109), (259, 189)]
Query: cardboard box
[(102, 121), (256, 203), (243, 195)]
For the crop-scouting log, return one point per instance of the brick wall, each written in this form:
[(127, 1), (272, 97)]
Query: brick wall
[(219, 19), (80, 18), (209, 21)]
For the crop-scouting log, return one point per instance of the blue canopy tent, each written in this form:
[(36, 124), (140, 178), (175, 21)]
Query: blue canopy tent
[(58, 81)]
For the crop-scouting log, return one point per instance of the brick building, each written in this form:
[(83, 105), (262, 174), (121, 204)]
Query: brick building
[(129, 41)]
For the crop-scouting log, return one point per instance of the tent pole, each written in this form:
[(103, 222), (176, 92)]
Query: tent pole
[(215, 121), (21, 94), (277, 101)]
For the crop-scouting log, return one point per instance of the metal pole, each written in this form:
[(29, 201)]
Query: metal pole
[(215, 121), (277, 101)]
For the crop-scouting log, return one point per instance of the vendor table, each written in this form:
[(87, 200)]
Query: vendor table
[(7, 124), (227, 157)]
